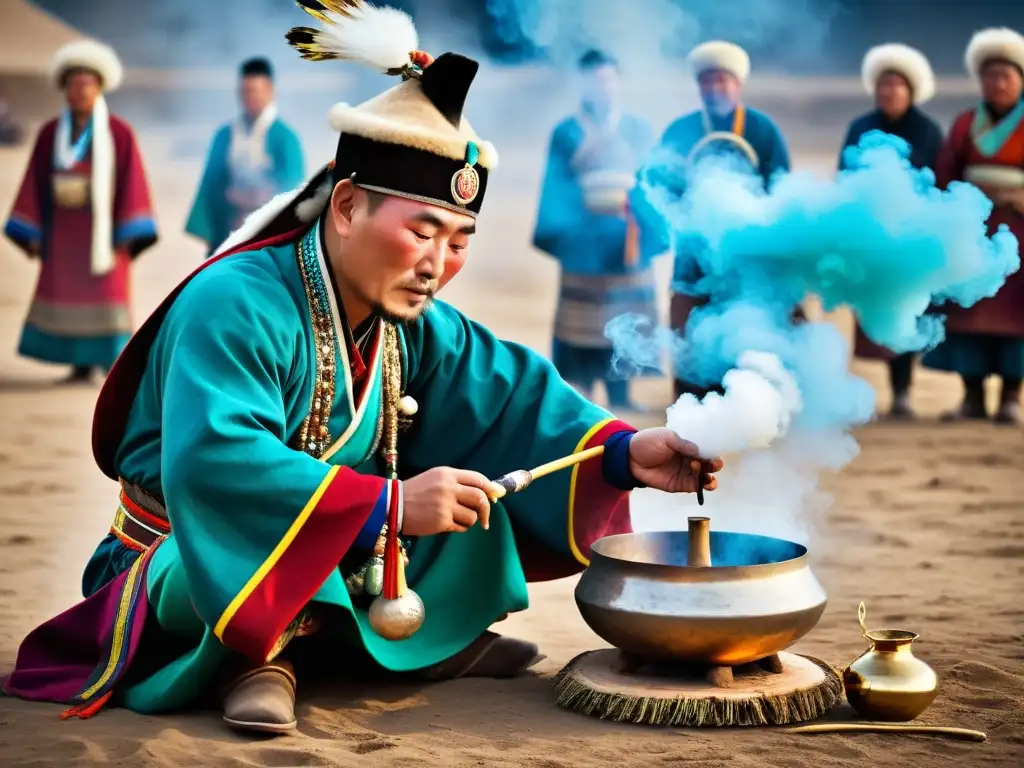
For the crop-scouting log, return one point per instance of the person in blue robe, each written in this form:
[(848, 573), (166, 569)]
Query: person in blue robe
[(251, 159), (724, 128), (583, 222), (901, 80)]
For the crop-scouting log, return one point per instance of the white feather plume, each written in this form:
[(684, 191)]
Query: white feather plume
[(381, 38)]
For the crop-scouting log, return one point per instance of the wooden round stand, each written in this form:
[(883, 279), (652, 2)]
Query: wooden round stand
[(787, 688)]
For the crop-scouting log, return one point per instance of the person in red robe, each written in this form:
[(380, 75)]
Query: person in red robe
[(985, 147), (84, 210)]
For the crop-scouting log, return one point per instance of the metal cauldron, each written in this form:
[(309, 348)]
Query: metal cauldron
[(745, 598)]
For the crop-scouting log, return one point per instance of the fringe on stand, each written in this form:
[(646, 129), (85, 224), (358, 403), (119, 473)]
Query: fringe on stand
[(780, 709)]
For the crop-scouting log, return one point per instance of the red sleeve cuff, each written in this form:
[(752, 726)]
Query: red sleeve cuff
[(311, 549), (597, 507)]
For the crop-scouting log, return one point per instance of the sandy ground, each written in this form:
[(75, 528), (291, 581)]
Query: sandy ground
[(928, 528)]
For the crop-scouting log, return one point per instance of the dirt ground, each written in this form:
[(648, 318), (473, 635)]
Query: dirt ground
[(927, 528)]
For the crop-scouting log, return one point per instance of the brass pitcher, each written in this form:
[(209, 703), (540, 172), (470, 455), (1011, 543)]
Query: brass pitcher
[(887, 682)]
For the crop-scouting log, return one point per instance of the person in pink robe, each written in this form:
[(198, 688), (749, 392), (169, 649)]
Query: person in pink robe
[(84, 210), (985, 147)]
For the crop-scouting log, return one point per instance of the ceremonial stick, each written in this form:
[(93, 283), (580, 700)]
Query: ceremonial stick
[(521, 478), (936, 730)]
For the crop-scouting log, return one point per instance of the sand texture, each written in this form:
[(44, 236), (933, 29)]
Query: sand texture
[(927, 528)]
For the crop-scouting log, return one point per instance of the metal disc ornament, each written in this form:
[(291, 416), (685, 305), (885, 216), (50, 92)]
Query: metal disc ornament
[(465, 185)]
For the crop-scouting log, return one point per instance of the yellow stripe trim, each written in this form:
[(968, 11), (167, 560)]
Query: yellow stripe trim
[(271, 561), (572, 489), (120, 625)]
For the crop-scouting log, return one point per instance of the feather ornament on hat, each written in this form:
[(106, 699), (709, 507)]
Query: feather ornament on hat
[(384, 39), (412, 140)]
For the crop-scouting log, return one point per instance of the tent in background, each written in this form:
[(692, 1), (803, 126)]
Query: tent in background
[(29, 37)]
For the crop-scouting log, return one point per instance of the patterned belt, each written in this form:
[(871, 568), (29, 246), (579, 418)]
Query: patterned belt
[(140, 519)]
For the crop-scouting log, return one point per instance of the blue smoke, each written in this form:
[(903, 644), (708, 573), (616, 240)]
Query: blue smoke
[(880, 239), (659, 30)]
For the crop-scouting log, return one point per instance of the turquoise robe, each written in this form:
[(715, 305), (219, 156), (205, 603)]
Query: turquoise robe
[(213, 217), (582, 241), (259, 527), (598, 282)]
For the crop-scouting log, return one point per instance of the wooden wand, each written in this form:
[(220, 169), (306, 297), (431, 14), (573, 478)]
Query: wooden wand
[(963, 734), (521, 478)]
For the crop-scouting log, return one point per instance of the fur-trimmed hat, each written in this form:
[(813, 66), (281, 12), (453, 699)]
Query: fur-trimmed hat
[(92, 56), (719, 54), (908, 62), (995, 43), (411, 140)]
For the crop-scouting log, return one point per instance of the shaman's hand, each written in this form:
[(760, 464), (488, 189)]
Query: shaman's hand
[(445, 500), (660, 459)]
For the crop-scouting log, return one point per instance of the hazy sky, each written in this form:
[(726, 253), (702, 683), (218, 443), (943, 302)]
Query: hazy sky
[(790, 35)]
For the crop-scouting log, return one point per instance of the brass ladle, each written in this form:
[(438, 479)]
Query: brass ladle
[(963, 734)]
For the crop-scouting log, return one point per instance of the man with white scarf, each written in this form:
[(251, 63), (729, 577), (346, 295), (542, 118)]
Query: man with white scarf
[(84, 210), (252, 159)]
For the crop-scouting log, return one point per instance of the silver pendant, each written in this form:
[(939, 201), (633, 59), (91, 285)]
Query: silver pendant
[(374, 580)]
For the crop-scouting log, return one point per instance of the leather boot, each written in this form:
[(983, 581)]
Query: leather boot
[(901, 410), (262, 699), (1009, 412), (80, 374), (973, 406), (490, 655)]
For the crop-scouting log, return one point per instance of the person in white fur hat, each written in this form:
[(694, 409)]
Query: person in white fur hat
[(985, 147), (84, 210), (724, 127), (900, 80)]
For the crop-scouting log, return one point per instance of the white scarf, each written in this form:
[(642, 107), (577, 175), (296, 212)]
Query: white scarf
[(597, 132), (249, 147), (66, 155)]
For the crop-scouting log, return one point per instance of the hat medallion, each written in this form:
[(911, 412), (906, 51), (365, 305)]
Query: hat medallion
[(465, 185)]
